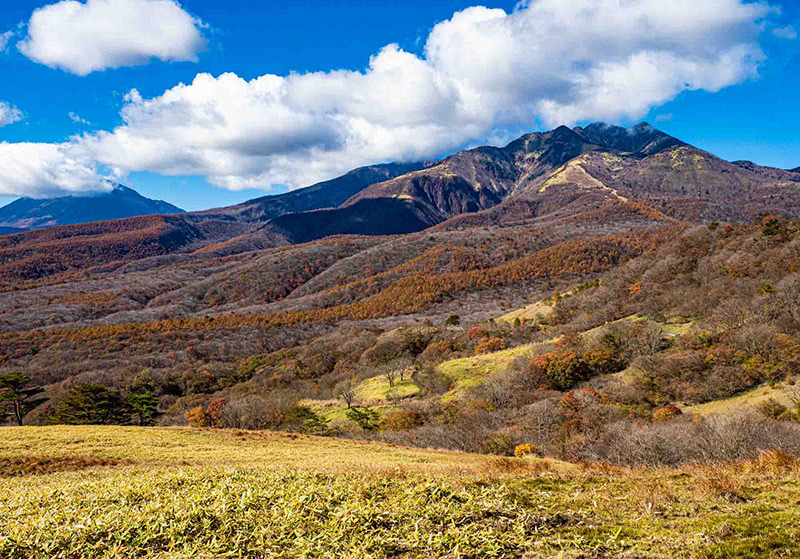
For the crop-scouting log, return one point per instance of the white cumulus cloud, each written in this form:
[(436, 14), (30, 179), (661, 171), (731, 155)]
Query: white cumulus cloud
[(42, 170), (88, 37), (569, 60), (9, 114), (290, 130), (483, 70)]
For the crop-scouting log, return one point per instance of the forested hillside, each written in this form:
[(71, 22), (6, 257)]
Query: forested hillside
[(632, 333), (575, 296)]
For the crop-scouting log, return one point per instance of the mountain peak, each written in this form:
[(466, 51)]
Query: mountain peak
[(562, 130), (120, 202), (534, 141), (642, 139)]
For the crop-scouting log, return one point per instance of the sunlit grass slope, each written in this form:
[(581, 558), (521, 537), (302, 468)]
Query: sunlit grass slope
[(782, 394), (471, 371), (377, 390), (226, 448), (179, 494)]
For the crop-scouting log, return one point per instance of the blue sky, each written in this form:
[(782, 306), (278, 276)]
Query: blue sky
[(753, 117)]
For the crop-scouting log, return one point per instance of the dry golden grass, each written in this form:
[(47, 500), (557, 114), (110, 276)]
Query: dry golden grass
[(183, 493), (177, 446), (30, 465)]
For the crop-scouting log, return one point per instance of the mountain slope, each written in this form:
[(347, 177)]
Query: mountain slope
[(377, 216), (592, 180), (480, 178), (654, 175), (119, 203), (33, 255), (466, 182), (563, 174), (771, 172), (327, 194)]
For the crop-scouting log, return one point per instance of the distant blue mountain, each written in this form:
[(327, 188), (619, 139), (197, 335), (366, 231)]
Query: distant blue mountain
[(121, 202)]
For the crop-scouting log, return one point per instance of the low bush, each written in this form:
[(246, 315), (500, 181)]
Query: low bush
[(401, 420), (489, 345), (523, 450), (720, 438)]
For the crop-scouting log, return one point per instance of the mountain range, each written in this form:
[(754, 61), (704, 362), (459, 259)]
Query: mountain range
[(594, 178), (538, 173)]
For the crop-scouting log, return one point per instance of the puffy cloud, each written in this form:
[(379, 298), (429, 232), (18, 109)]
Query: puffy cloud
[(101, 34), (42, 170), (482, 71), (568, 60), (289, 130), (9, 114)]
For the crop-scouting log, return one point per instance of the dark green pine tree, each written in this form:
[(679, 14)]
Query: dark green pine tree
[(144, 406), (91, 404), (366, 418), (17, 396)]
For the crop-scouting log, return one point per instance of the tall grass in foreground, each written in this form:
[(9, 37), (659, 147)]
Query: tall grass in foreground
[(242, 495)]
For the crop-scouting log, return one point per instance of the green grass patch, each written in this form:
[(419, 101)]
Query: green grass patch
[(749, 399), (530, 312), (377, 390), (471, 371)]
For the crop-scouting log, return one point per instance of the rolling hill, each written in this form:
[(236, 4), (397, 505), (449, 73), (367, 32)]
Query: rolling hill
[(327, 194), (234, 303), (86, 246)]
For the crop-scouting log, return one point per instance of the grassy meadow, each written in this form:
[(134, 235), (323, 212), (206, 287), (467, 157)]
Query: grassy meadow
[(123, 492)]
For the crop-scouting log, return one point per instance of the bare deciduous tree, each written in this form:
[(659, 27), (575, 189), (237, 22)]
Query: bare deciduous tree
[(346, 391)]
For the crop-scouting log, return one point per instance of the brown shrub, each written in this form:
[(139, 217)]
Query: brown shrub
[(489, 345), (772, 409), (401, 420), (774, 462), (721, 486), (197, 417), (214, 412), (436, 352), (666, 413), (476, 332), (522, 450)]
